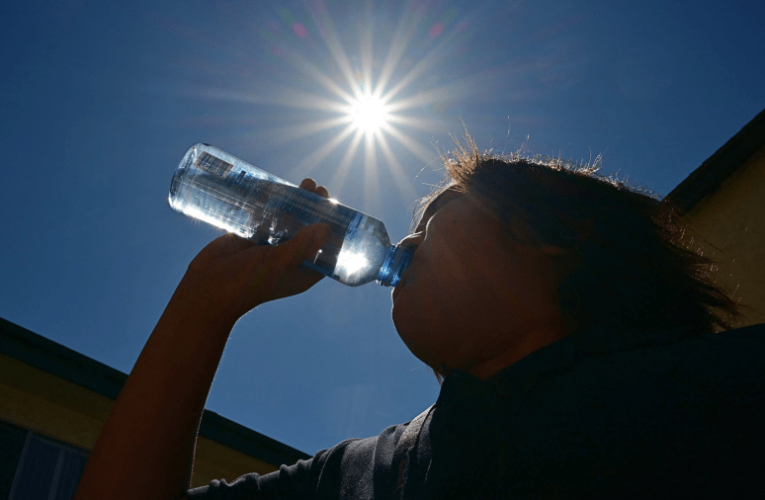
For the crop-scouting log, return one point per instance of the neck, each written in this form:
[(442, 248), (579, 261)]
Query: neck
[(531, 341)]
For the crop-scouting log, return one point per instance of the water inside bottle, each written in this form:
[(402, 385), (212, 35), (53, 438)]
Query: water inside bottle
[(239, 198)]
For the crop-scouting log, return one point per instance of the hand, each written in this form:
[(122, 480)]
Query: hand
[(231, 275)]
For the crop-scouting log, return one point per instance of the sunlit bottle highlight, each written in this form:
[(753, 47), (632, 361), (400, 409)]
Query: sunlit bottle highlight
[(217, 188)]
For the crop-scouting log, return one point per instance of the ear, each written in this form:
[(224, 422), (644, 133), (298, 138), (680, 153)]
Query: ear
[(564, 261)]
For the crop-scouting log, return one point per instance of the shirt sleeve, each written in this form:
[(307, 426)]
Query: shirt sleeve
[(293, 482), (347, 470)]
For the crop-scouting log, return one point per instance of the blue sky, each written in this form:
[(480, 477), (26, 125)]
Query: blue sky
[(100, 100)]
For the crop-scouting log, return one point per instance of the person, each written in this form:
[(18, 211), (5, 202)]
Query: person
[(569, 322)]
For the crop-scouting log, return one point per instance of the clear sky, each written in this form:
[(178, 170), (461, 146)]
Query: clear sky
[(100, 100)]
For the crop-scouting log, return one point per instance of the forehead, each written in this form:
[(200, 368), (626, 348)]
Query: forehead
[(437, 203), (471, 206)]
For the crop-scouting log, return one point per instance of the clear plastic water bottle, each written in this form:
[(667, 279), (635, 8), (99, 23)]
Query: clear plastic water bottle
[(217, 188)]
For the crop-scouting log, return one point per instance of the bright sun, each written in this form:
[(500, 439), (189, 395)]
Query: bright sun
[(368, 114)]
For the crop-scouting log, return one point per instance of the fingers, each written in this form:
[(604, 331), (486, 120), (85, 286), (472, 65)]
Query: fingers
[(310, 185), (266, 273), (304, 245), (307, 242), (231, 243), (322, 191)]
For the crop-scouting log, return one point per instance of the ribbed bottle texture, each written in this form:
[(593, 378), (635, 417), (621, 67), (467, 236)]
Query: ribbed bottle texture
[(215, 187)]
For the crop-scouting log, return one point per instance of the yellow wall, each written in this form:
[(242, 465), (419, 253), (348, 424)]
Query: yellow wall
[(69, 413), (731, 226)]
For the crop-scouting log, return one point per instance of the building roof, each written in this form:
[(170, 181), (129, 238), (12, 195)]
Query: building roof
[(51, 357), (708, 178)]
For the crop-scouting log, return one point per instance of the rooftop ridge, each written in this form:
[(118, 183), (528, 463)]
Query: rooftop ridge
[(710, 175), (58, 360)]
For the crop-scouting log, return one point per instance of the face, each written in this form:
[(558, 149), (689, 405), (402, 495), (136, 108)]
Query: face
[(470, 293)]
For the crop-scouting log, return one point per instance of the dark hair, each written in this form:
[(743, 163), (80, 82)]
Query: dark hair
[(634, 265)]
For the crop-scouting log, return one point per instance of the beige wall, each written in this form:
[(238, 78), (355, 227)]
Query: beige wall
[(731, 227), (69, 413)]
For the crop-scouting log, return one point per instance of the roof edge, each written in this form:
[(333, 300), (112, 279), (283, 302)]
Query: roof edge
[(708, 177), (58, 360)]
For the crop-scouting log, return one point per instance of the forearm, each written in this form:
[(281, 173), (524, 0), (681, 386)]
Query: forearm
[(146, 448)]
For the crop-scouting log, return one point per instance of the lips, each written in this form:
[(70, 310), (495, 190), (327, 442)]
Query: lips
[(405, 275)]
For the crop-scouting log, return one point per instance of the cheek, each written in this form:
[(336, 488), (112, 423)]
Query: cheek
[(458, 277)]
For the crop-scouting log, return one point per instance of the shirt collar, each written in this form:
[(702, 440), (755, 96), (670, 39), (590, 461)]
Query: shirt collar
[(559, 356)]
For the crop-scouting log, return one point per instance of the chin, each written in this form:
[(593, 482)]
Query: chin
[(411, 333), (401, 321), (396, 316)]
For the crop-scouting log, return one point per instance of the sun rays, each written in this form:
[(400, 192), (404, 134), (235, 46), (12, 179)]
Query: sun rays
[(362, 93), (376, 109), (364, 101), (371, 104)]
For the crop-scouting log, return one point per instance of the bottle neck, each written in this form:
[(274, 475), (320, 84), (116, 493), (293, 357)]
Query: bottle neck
[(394, 265)]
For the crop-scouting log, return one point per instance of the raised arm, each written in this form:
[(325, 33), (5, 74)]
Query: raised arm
[(146, 448)]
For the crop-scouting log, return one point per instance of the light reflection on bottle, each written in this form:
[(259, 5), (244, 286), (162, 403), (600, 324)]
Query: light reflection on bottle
[(350, 265), (217, 188)]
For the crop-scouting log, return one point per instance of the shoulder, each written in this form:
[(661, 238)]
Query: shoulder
[(664, 371), (648, 415), (354, 456), (727, 360)]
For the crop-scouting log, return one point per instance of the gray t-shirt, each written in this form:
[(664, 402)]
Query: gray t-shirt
[(596, 414)]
